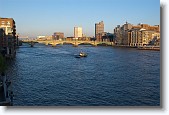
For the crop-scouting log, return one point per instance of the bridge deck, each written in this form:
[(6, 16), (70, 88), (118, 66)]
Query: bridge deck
[(56, 42)]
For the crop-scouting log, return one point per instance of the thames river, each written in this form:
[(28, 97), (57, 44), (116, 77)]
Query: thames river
[(44, 75)]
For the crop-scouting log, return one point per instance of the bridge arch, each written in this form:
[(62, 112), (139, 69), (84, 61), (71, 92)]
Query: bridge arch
[(86, 43), (74, 43), (68, 42)]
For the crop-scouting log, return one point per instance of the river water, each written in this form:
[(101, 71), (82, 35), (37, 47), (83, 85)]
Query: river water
[(44, 75)]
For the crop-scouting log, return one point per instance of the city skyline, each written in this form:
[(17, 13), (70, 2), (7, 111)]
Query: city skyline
[(80, 53), (35, 18)]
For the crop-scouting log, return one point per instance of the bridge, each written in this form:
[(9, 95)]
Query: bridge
[(23, 37), (73, 42)]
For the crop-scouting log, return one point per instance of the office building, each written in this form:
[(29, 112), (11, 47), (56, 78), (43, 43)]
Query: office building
[(78, 32), (99, 31), (121, 33)]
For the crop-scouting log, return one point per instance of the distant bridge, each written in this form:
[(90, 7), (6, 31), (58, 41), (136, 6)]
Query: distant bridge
[(74, 43), (23, 37)]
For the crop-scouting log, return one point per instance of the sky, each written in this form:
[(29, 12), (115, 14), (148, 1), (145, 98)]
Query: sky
[(44, 17)]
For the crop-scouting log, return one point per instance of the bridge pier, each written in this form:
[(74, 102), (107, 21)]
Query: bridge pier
[(53, 45), (61, 43), (46, 43), (75, 45), (32, 45), (94, 45), (112, 44)]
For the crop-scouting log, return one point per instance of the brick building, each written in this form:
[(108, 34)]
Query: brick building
[(58, 36), (10, 39), (143, 34), (99, 31)]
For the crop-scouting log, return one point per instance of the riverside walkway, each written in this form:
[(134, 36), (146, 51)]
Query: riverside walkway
[(5, 97)]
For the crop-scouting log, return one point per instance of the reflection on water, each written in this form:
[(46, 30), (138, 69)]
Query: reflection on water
[(45, 75)]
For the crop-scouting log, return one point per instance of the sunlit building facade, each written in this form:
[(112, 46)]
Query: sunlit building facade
[(144, 34), (121, 33), (9, 27), (136, 35), (78, 32), (99, 31)]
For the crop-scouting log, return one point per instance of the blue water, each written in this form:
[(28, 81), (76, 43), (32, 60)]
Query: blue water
[(45, 75)]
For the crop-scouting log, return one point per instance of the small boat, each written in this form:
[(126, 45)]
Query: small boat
[(81, 54)]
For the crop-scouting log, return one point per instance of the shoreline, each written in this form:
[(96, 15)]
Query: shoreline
[(154, 48)]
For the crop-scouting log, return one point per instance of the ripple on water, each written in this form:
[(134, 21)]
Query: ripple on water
[(46, 75)]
